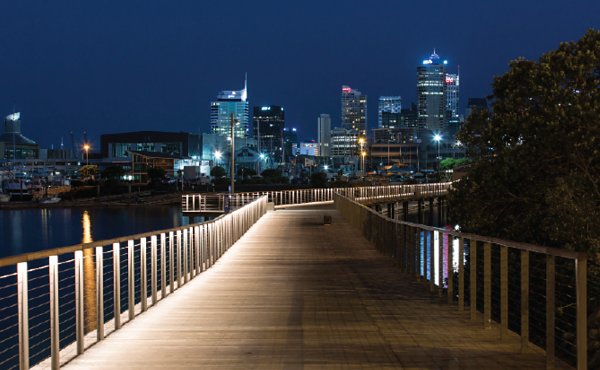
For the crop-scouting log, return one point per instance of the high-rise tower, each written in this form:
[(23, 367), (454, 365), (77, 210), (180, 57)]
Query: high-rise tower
[(324, 133), (228, 102), (388, 104), (354, 110), (269, 122), (431, 93)]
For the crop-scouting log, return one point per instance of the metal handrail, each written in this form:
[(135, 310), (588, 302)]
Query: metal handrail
[(189, 250), (193, 202), (418, 250)]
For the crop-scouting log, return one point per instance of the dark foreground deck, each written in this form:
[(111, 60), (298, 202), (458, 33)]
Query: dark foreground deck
[(296, 294)]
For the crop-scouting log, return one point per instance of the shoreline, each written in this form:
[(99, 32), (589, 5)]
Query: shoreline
[(134, 199)]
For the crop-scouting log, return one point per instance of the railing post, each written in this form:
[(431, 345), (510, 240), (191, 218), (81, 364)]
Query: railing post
[(473, 278), (461, 274), (79, 310), (179, 260), (524, 300), (117, 284), (171, 262), (450, 268), (550, 310), (487, 285), (197, 248), (153, 272), (131, 279), (143, 276), (22, 301), (99, 294), (163, 265), (503, 291), (581, 282), (54, 316), (440, 249), (185, 261), (431, 256)]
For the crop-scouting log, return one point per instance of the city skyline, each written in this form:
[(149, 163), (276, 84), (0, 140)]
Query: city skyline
[(124, 67)]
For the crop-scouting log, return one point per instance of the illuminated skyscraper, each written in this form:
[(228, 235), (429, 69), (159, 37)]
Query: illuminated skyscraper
[(388, 104), (431, 93), (228, 102), (269, 122), (354, 110), (452, 97)]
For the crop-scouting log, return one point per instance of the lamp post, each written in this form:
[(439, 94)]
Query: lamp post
[(361, 142), (86, 148), (217, 155), (437, 138), (233, 123)]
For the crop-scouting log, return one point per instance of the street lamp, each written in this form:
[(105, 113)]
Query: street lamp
[(363, 155), (437, 138), (218, 156), (361, 142), (86, 148)]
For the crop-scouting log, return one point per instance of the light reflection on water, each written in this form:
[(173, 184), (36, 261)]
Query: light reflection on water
[(29, 230)]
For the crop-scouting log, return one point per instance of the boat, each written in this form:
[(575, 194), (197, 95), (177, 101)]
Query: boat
[(50, 200)]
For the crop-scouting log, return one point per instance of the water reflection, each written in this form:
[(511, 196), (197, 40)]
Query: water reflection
[(89, 274), (30, 230)]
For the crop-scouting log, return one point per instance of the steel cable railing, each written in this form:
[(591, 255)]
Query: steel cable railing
[(539, 293), (55, 303)]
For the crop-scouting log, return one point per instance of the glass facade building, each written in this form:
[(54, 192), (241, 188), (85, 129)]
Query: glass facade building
[(268, 123), (230, 102), (388, 104), (431, 93)]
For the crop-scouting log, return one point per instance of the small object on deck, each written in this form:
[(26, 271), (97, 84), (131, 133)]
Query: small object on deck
[(326, 220)]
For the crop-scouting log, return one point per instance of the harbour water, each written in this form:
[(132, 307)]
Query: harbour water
[(28, 230)]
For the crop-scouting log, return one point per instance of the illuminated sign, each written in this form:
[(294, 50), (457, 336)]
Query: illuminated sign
[(427, 61), (449, 80), (265, 108), (346, 90)]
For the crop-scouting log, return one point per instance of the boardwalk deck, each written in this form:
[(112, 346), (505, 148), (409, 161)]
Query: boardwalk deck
[(296, 294)]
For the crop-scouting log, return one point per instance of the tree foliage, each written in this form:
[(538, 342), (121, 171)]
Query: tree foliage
[(217, 172), (535, 175)]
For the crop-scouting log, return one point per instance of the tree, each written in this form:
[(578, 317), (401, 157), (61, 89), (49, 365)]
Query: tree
[(156, 175), (318, 180), (535, 175), (88, 171), (113, 172), (217, 172)]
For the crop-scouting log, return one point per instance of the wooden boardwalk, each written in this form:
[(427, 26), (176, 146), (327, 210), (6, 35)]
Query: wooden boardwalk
[(296, 294)]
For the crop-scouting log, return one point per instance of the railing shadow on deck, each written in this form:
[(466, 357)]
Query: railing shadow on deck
[(512, 284), (56, 303)]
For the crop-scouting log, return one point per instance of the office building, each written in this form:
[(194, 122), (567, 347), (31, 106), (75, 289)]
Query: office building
[(13, 145), (324, 134), (354, 110), (344, 143), (452, 97), (174, 144), (390, 106), (431, 93), (268, 124), (228, 103), (310, 148), (409, 117)]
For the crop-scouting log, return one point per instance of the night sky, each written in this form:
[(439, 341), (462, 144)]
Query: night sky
[(114, 66)]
